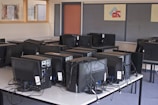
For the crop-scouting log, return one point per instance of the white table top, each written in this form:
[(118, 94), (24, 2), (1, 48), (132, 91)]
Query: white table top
[(59, 95)]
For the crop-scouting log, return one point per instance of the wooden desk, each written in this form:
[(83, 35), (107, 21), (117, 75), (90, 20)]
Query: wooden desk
[(60, 96)]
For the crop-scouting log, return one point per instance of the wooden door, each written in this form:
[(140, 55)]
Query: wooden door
[(71, 18)]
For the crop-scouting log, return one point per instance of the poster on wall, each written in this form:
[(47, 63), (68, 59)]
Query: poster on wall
[(154, 13), (115, 12), (10, 12)]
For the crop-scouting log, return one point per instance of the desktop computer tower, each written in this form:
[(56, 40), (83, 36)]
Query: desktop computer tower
[(59, 65), (82, 52), (32, 72)]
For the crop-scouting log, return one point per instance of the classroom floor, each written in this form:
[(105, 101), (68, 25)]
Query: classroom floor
[(149, 96)]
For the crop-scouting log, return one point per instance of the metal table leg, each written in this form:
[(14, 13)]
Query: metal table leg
[(1, 98), (153, 79), (140, 91), (150, 80), (135, 88)]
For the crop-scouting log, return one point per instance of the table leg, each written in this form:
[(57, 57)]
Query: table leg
[(153, 79), (150, 80), (1, 98), (135, 88), (140, 92), (132, 88)]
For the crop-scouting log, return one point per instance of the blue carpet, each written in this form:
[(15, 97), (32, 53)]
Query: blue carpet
[(149, 94)]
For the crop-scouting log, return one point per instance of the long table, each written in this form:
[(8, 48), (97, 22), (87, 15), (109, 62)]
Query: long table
[(59, 95)]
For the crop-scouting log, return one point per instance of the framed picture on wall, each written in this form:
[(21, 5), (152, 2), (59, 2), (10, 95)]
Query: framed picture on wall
[(10, 12), (154, 13), (115, 12)]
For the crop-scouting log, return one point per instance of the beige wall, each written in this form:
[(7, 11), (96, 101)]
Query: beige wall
[(22, 31), (110, 1)]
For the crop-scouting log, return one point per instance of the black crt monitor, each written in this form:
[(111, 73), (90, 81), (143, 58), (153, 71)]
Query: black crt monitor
[(97, 39), (2, 40), (62, 47), (50, 41), (153, 39), (68, 40), (95, 77), (75, 55), (108, 39), (31, 46), (84, 74), (85, 41), (151, 51), (13, 50), (8, 50), (126, 61), (24, 71), (85, 53), (2, 55), (115, 67), (86, 49), (59, 65), (136, 61), (32, 73), (140, 45), (47, 48), (72, 71)]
